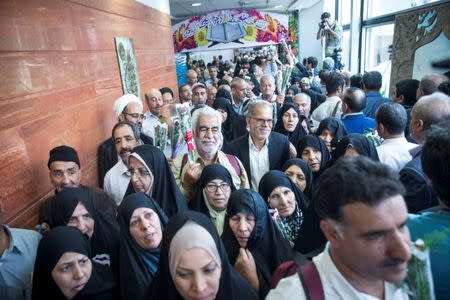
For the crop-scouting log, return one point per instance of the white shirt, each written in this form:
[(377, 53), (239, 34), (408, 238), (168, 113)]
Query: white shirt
[(394, 152), (326, 109), (335, 286), (259, 162), (148, 125), (116, 181)]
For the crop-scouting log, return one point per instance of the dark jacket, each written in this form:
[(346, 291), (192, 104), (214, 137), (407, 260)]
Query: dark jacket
[(278, 151), (419, 195)]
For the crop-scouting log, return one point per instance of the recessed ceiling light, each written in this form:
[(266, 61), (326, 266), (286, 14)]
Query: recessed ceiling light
[(278, 6), (196, 4)]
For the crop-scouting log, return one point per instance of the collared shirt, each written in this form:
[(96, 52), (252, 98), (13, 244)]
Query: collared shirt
[(179, 170), (335, 286), (259, 162), (327, 108), (395, 153), (17, 263), (148, 125), (239, 109), (116, 181)]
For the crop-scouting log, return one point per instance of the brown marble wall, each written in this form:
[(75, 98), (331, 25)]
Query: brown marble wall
[(60, 77)]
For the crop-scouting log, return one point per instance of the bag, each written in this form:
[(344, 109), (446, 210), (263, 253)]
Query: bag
[(308, 274)]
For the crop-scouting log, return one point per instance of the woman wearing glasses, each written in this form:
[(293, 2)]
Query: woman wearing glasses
[(150, 173), (213, 191)]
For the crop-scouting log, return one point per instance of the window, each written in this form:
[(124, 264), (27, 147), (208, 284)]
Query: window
[(375, 8), (346, 49), (376, 53), (345, 11)]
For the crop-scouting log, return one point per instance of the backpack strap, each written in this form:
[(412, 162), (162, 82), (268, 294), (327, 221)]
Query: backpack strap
[(310, 279), (233, 161), (286, 269), (336, 108)]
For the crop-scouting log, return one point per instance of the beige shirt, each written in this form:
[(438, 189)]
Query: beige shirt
[(327, 108), (259, 162), (222, 159)]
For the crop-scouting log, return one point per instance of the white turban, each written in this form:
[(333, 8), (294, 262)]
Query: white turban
[(123, 101)]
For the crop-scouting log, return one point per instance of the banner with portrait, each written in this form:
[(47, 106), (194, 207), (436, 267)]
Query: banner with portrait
[(228, 29)]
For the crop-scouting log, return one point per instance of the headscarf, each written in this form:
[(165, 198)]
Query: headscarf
[(164, 189), (234, 126), (299, 132), (360, 143), (266, 243), (231, 286), (138, 266), (290, 226), (223, 93), (303, 165), (335, 127), (295, 89), (315, 142), (51, 247), (104, 240), (201, 204)]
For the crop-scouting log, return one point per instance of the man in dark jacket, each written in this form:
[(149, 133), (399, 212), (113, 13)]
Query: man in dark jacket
[(261, 149), (427, 111), (372, 82)]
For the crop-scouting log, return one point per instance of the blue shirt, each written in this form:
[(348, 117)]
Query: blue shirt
[(17, 263), (434, 229), (373, 101), (358, 123)]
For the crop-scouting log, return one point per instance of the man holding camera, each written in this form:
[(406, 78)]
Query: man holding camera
[(332, 31)]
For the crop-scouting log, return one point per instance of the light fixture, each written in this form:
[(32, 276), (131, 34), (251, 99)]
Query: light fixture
[(278, 6), (196, 4)]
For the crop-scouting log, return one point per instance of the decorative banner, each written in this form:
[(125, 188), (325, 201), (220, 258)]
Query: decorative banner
[(227, 29), (127, 65)]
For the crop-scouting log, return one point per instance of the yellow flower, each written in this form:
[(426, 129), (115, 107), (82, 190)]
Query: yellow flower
[(251, 33), (200, 37)]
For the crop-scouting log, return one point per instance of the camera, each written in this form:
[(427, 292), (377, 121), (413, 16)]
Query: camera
[(322, 24), (324, 18)]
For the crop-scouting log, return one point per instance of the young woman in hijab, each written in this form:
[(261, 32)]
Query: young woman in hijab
[(64, 270), (233, 125), (314, 151), (144, 163), (356, 144), (74, 207), (191, 251), (223, 93), (212, 193), (289, 123), (254, 244), (282, 194), (300, 174), (292, 91), (141, 223), (331, 130)]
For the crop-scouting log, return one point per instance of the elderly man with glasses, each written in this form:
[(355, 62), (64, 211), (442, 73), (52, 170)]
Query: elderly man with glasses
[(261, 150), (126, 108)]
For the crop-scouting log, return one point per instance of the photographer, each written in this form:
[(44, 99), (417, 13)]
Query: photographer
[(332, 32)]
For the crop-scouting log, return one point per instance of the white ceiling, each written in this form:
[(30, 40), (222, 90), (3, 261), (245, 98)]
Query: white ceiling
[(183, 9)]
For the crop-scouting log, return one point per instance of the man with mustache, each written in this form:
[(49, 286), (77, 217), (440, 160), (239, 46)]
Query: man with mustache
[(125, 136), (261, 150), (126, 108), (364, 218), (208, 138)]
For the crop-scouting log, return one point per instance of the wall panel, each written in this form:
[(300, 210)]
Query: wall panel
[(60, 79)]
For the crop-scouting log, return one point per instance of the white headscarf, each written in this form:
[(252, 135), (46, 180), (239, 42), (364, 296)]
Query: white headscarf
[(123, 101)]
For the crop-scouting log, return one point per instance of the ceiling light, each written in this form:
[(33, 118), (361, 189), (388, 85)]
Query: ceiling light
[(196, 4), (278, 6)]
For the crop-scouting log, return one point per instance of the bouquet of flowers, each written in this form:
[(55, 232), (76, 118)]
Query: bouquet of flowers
[(186, 128), (419, 283), (176, 140), (161, 131)]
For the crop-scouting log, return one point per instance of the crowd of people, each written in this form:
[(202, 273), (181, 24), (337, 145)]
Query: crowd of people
[(312, 191)]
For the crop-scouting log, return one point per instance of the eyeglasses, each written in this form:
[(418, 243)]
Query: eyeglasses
[(139, 173), (263, 121), (212, 188), (136, 115)]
